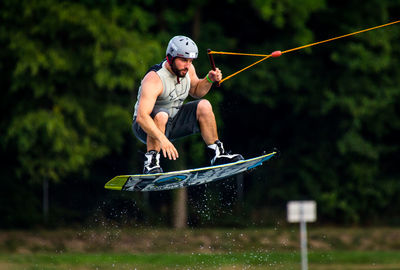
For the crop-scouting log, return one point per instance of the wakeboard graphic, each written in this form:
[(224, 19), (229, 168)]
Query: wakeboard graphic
[(179, 179)]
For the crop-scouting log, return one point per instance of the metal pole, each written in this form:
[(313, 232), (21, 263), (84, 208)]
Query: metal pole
[(303, 239), (239, 189), (45, 200)]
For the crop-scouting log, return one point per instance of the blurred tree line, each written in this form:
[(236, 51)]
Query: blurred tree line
[(70, 71)]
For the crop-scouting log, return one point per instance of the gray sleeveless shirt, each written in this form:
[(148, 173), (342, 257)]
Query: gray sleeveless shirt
[(173, 94)]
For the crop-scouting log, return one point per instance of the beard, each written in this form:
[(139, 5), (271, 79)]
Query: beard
[(180, 73)]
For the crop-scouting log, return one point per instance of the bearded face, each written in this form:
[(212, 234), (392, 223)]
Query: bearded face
[(180, 66)]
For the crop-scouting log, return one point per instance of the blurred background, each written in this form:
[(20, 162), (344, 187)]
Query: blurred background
[(70, 71)]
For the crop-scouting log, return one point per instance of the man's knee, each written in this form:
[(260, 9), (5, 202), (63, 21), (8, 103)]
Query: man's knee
[(161, 118), (204, 107)]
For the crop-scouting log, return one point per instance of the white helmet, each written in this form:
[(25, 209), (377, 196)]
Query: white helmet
[(181, 46)]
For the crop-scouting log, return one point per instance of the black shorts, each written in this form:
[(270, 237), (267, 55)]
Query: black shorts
[(183, 124)]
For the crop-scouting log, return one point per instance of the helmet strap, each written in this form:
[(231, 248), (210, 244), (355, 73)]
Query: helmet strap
[(170, 59)]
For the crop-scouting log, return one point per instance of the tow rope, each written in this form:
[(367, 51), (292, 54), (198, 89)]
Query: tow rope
[(279, 53)]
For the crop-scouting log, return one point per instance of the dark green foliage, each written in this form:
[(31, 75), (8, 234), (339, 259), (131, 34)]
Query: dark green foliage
[(70, 72)]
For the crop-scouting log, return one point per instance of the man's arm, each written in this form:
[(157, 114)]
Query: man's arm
[(200, 87), (151, 89)]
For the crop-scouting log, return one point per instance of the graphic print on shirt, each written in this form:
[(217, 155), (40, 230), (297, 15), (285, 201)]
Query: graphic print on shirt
[(174, 95)]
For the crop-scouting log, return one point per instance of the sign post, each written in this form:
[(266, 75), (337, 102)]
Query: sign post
[(302, 211)]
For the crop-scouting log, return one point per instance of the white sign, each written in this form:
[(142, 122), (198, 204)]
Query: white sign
[(301, 211)]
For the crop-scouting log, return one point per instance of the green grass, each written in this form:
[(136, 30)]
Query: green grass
[(272, 260), (195, 249)]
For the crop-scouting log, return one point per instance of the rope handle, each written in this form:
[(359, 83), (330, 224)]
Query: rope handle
[(212, 63)]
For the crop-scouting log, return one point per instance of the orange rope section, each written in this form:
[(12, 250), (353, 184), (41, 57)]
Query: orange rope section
[(266, 56), (237, 72)]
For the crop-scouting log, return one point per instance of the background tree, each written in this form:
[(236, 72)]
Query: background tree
[(69, 77), (69, 72)]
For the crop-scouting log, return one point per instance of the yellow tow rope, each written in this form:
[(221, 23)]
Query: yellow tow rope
[(279, 53)]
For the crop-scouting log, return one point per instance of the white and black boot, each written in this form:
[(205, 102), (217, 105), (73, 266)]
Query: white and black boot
[(152, 162), (218, 155)]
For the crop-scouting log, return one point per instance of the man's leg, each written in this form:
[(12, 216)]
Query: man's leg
[(208, 125), (152, 157), (160, 119)]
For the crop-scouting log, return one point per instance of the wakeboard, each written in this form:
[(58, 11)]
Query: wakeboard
[(179, 179)]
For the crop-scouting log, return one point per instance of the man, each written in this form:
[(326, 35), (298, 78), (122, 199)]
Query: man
[(160, 115)]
